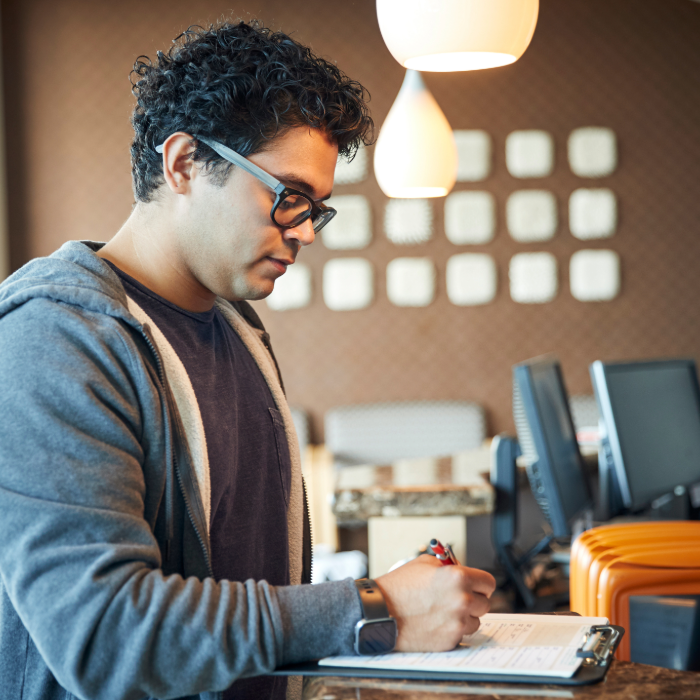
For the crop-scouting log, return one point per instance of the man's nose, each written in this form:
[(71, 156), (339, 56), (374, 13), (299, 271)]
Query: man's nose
[(304, 233)]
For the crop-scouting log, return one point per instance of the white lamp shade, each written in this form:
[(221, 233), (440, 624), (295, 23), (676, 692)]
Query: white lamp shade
[(456, 35), (415, 155)]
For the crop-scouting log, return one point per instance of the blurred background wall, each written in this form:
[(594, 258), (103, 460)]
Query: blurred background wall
[(631, 65)]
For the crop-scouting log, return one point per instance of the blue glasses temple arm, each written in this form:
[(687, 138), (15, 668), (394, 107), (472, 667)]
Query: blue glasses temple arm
[(242, 162)]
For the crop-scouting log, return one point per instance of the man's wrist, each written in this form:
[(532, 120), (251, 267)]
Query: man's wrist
[(387, 599), (376, 632)]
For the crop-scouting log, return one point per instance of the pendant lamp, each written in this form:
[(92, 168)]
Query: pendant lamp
[(415, 155), (457, 35)]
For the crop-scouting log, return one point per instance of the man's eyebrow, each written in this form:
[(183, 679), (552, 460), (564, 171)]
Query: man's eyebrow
[(298, 184)]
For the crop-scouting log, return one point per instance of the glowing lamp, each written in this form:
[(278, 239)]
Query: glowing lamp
[(456, 35), (415, 155)]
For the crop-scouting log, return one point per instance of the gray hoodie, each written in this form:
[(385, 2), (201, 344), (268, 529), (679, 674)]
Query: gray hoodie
[(105, 574)]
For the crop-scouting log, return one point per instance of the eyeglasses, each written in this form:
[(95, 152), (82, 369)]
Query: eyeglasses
[(291, 207)]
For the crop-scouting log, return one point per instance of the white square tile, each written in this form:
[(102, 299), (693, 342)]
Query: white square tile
[(470, 217), (530, 153), (533, 278), (592, 213), (471, 279), (410, 281), (348, 283), (531, 215), (351, 227), (473, 155), (354, 171), (592, 151), (594, 275), (292, 290), (408, 221)]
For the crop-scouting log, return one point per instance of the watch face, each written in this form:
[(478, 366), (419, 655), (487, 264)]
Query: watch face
[(376, 637)]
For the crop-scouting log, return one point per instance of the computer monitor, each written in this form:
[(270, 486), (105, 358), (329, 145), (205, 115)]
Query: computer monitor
[(548, 443), (650, 415)]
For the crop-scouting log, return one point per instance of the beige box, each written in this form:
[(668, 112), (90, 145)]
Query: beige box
[(392, 539)]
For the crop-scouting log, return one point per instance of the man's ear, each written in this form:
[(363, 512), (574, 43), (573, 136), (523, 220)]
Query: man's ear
[(178, 167)]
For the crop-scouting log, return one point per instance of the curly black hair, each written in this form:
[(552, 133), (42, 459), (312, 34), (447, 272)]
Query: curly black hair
[(241, 84)]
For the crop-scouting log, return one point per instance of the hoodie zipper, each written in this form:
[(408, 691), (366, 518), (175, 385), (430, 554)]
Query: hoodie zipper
[(168, 497), (307, 517)]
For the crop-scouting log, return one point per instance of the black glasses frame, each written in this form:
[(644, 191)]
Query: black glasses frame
[(320, 214)]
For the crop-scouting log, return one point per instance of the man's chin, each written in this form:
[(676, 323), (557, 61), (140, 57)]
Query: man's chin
[(254, 292), (256, 296)]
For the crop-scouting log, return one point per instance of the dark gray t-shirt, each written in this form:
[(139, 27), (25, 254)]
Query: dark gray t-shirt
[(249, 460)]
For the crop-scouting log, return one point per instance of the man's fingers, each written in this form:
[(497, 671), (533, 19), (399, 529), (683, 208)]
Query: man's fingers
[(478, 604), (428, 559), (471, 625), (470, 581), (480, 581)]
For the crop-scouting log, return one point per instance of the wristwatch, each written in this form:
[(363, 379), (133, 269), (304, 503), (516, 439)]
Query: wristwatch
[(376, 632)]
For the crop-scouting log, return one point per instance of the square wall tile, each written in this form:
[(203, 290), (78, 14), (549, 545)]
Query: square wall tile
[(592, 213), (474, 155), (470, 217), (408, 221), (531, 215), (530, 153), (594, 275), (348, 283), (354, 171), (593, 151), (351, 227), (533, 278), (410, 281), (292, 290), (471, 279)]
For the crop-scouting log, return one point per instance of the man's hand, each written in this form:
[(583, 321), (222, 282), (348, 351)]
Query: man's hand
[(435, 605)]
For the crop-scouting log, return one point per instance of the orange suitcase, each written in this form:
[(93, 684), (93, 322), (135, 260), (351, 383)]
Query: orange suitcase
[(652, 547), (598, 542), (675, 572)]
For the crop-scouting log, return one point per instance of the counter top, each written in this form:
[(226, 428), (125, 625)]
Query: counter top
[(454, 485), (624, 681)]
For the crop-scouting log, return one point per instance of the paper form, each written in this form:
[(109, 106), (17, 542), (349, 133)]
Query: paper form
[(536, 645)]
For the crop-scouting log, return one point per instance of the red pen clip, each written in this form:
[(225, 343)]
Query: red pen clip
[(443, 553)]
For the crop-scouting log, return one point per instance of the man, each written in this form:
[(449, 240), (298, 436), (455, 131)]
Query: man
[(151, 500)]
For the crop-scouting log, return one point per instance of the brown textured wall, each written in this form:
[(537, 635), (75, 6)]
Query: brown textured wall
[(632, 65)]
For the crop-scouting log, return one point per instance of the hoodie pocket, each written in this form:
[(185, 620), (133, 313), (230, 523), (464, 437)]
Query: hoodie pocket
[(283, 460)]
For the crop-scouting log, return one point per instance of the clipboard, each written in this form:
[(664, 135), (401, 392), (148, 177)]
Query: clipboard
[(596, 651)]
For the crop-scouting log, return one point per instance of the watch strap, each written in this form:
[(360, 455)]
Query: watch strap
[(372, 600)]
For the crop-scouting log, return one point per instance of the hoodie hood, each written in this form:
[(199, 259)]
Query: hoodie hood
[(74, 275)]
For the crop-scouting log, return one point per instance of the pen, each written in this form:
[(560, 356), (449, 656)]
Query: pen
[(443, 553)]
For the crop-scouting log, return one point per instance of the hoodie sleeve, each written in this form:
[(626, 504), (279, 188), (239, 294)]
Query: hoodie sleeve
[(78, 560)]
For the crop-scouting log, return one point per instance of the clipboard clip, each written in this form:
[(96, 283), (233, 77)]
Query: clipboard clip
[(598, 645)]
